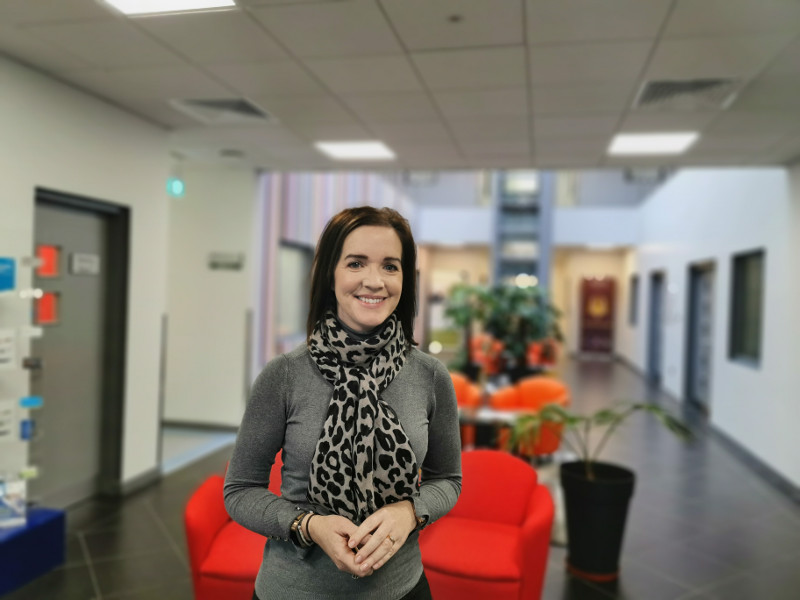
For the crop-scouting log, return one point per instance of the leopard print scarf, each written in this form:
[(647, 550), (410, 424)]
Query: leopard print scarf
[(363, 459)]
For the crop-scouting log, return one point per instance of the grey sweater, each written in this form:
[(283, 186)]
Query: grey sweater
[(287, 409)]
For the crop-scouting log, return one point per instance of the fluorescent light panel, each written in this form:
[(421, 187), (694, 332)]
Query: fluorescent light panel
[(652, 143), (366, 150), (149, 7)]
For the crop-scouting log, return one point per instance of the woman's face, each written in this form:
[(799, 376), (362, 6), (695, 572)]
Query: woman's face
[(368, 278)]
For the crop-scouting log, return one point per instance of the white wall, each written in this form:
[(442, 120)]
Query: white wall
[(702, 215), (206, 349), (55, 137), (602, 226), (570, 266), (455, 225)]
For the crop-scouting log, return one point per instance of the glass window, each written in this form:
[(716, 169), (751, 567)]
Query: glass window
[(747, 305), (294, 268)]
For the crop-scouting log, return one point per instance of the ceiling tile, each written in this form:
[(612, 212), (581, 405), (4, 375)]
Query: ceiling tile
[(37, 53), (768, 94), (50, 11), (588, 63), (716, 143), (704, 17), (588, 20), (578, 99), (397, 106), (490, 129), (159, 112), (576, 126), (354, 28), (214, 37), (370, 74), (498, 102), (737, 57), (667, 121), (106, 44), (267, 79), (422, 24), (429, 132), (330, 131), (589, 147), (787, 63), (150, 83), (478, 149), (314, 109), (472, 69), (752, 122)]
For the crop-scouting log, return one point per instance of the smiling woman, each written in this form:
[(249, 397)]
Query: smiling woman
[(367, 424)]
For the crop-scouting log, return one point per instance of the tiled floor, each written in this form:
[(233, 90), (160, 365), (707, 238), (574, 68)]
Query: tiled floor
[(702, 526)]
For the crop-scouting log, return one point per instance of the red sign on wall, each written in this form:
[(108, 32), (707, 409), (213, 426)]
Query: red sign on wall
[(597, 315)]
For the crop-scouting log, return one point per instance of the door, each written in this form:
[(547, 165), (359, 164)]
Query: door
[(597, 315), (655, 327), (79, 354), (701, 303)]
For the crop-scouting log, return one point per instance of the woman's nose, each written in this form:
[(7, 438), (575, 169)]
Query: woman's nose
[(373, 278)]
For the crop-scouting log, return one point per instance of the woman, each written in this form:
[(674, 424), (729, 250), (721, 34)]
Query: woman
[(367, 423)]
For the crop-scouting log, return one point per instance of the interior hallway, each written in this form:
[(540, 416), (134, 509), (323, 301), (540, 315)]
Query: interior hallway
[(702, 525)]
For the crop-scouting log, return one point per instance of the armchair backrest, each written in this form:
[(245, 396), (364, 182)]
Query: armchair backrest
[(537, 391), (467, 393), (495, 487)]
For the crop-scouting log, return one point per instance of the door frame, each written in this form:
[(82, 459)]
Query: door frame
[(117, 218), (691, 271), (651, 325)]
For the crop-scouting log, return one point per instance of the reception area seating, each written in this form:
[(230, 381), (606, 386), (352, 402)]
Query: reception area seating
[(224, 557), (494, 543)]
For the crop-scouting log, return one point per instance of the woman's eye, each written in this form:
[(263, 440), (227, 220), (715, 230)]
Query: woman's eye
[(392, 267), (353, 264)]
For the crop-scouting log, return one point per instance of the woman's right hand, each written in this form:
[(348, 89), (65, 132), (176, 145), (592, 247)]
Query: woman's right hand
[(331, 533)]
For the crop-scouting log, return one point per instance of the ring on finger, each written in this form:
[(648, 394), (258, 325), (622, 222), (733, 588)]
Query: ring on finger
[(391, 539)]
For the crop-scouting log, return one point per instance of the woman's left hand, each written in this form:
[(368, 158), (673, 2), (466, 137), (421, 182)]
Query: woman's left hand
[(383, 533)]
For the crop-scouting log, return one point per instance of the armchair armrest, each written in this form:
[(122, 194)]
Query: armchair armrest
[(204, 517), (536, 531)]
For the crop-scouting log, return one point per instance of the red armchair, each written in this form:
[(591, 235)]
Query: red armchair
[(493, 545), (224, 557)]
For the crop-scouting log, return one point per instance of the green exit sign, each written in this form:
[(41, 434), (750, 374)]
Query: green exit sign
[(176, 187)]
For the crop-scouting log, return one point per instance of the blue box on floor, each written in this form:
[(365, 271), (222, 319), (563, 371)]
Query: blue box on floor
[(32, 550)]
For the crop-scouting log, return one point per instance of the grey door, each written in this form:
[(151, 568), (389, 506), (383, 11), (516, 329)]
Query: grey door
[(67, 444), (656, 327), (701, 303)]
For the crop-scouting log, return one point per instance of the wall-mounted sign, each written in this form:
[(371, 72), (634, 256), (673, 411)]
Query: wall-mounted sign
[(8, 349), (84, 264), (30, 402), (49, 263), (27, 429), (8, 274), (47, 308), (7, 420), (226, 261)]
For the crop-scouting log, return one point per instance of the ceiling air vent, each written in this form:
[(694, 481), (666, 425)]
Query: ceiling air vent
[(224, 111), (688, 94)]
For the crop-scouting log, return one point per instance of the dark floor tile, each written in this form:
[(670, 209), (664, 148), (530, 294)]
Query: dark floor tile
[(136, 574), (637, 582), (126, 541), (74, 554), (778, 581), (559, 585), (72, 583), (175, 590), (678, 563)]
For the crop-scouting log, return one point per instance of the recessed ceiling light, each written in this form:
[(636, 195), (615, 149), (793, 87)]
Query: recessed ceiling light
[(652, 143), (149, 7), (367, 150)]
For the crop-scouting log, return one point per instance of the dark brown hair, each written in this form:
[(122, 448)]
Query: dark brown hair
[(329, 250)]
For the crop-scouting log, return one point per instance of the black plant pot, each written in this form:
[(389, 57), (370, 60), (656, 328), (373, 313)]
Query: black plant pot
[(596, 511)]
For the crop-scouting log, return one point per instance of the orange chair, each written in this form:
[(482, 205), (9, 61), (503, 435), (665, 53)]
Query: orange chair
[(494, 542), (468, 395), (530, 394), (224, 557)]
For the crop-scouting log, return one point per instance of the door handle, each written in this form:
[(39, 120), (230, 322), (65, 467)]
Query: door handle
[(32, 363)]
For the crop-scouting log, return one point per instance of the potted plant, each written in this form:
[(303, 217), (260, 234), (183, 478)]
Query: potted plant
[(518, 316), (466, 305), (596, 493)]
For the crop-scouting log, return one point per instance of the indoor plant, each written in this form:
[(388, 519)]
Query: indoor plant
[(516, 316), (596, 493)]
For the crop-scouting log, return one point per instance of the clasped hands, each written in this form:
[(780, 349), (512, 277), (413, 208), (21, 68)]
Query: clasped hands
[(360, 550)]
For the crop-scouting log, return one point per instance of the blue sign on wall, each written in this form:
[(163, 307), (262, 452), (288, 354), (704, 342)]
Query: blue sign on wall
[(31, 402), (27, 429), (8, 276)]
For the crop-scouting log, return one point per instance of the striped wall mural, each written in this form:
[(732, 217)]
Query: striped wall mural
[(294, 207)]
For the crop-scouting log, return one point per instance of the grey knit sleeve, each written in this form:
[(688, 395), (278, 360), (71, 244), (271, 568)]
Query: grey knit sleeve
[(260, 438), (441, 470)]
